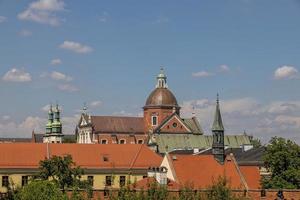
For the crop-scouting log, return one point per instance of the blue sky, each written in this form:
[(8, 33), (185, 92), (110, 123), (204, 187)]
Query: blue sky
[(107, 53)]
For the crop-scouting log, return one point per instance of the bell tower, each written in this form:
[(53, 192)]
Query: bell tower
[(53, 127), (160, 104), (218, 148)]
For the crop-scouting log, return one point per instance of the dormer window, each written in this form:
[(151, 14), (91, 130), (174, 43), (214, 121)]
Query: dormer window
[(122, 141), (154, 120), (103, 141)]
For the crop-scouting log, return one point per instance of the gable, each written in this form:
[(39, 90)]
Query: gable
[(173, 124)]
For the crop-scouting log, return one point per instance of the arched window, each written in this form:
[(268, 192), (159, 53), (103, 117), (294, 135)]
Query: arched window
[(140, 141)]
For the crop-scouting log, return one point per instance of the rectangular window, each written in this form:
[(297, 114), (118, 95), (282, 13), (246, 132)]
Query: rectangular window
[(5, 181), (122, 181), (154, 120), (24, 180), (107, 180), (122, 141), (103, 141), (140, 141), (90, 180)]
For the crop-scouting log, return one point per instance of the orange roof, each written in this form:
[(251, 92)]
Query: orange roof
[(146, 182), (252, 176), (201, 171), (126, 156)]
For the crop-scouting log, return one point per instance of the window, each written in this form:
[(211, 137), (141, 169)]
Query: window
[(24, 180), (105, 158), (122, 181), (140, 141), (122, 141), (174, 124), (105, 193), (103, 141), (90, 180), (154, 120), (5, 181), (107, 180)]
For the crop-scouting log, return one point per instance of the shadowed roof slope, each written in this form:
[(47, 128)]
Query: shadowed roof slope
[(112, 124), (127, 156)]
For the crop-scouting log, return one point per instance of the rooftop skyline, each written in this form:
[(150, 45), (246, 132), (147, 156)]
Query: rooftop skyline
[(108, 54)]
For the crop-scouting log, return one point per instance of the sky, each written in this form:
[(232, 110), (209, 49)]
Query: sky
[(107, 54)]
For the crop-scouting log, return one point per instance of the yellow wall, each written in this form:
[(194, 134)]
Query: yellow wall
[(99, 180)]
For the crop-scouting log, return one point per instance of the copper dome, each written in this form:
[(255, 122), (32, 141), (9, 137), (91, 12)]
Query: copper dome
[(161, 97)]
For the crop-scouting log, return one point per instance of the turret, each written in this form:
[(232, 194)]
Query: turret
[(218, 148), (56, 125), (50, 121)]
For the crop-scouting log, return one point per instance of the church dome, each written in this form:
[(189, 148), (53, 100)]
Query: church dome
[(161, 97)]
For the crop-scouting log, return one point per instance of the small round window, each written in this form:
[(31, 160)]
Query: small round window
[(174, 124)]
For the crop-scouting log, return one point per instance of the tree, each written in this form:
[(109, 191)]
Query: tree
[(220, 190), (256, 142), (282, 159), (40, 189), (63, 171)]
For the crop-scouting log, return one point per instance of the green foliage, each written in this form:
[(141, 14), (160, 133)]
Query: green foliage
[(62, 171), (282, 159), (256, 142), (40, 190), (220, 190)]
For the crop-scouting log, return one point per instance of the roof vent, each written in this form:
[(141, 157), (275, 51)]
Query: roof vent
[(174, 157), (105, 158)]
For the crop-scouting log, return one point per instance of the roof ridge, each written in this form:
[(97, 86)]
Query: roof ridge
[(112, 116), (239, 172), (135, 157)]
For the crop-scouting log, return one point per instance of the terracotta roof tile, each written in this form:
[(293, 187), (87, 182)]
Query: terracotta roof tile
[(28, 155), (112, 124), (252, 176), (201, 170)]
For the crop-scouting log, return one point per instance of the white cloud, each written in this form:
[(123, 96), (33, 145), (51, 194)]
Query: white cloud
[(56, 61), (58, 76), (2, 19), (16, 75), (224, 68), (104, 17), (43, 11), (25, 33), (46, 108), (285, 72), (278, 118), (202, 74), (76, 47), (67, 88), (30, 123), (6, 117), (96, 103)]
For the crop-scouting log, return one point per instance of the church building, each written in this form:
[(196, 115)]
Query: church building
[(161, 126)]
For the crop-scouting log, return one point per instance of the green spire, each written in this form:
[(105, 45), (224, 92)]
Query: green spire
[(218, 124), (56, 125), (50, 120), (161, 79)]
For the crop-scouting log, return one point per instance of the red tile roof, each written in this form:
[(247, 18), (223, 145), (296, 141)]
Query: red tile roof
[(112, 124), (201, 171), (126, 156), (252, 176)]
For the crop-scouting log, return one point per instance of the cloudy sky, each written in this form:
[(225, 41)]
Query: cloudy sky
[(107, 54)]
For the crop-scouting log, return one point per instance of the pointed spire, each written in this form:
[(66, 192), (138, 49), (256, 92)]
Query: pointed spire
[(218, 124), (161, 79), (84, 109)]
